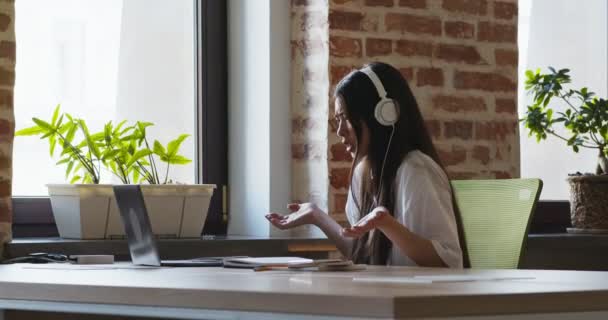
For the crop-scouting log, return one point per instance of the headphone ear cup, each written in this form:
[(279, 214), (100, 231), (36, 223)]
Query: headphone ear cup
[(386, 112)]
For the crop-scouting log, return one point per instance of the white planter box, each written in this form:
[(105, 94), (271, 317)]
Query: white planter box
[(88, 211)]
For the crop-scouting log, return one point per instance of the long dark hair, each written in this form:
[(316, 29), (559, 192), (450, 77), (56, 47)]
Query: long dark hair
[(359, 96)]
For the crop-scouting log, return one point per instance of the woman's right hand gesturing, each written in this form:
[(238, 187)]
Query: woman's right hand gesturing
[(301, 214)]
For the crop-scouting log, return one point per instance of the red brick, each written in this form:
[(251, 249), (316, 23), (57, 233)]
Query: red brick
[(434, 128), (312, 20), (494, 130), (483, 81), (481, 153), (343, 20), (370, 22), (459, 29), (311, 102), (459, 53), (7, 129), (7, 50), (462, 129), (5, 188), (456, 155), (502, 175), (416, 4), (6, 98), (5, 21), (506, 106), (407, 73), (413, 24), (476, 7), (505, 57), (344, 47), (6, 210), (430, 77), (340, 202), (458, 104), (414, 48), (309, 47), (339, 178), (379, 3), (339, 72), (7, 77), (305, 151), (311, 73), (505, 10), (495, 32), (462, 175), (378, 47), (339, 153), (300, 126), (5, 162)]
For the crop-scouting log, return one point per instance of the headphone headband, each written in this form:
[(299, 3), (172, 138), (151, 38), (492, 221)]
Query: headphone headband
[(375, 80), (386, 111)]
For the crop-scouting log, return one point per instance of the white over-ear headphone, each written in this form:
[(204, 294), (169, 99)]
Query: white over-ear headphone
[(386, 110)]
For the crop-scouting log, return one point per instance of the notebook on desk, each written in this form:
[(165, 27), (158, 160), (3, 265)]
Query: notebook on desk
[(142, 244), (252, 263)]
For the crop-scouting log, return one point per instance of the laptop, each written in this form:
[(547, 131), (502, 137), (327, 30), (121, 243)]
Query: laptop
[(142, 243)]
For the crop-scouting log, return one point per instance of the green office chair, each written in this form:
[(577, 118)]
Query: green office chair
[(495, 216)]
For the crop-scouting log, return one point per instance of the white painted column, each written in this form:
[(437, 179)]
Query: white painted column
[(259, 125)]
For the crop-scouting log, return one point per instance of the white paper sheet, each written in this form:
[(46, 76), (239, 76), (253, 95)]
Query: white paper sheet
[(66, 266), (438, 278)]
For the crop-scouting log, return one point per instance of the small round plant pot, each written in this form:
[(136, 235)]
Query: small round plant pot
[(589, 201)]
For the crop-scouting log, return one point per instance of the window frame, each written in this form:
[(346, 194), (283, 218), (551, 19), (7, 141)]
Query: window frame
[(33, 216)]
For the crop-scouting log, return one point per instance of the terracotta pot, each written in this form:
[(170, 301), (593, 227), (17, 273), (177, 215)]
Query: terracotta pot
[(589, 201)]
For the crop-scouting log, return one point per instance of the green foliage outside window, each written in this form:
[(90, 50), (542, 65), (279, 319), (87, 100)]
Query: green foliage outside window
[(585, 117)]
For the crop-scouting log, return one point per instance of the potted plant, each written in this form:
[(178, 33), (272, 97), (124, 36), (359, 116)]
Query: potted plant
[(585, 118), (86, 209)]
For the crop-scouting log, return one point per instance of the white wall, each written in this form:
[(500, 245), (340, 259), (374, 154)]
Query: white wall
[(259, 114), (563, 34)]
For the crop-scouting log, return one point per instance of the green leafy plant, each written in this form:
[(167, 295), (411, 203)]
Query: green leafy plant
[(585, 116), (121, 149)]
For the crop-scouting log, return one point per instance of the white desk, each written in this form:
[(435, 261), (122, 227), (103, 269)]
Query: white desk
[(215, 293)]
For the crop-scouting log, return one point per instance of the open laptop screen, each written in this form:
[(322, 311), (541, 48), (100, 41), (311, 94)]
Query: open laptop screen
[(132, 207)]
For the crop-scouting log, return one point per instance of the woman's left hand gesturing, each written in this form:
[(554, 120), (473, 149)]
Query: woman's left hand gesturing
[(375, 219)]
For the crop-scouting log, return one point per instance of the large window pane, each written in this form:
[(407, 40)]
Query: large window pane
[(563, 34), (103, 60)]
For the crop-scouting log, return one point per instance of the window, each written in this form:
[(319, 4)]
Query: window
[(102, 61), (562, 34), (113, 60)]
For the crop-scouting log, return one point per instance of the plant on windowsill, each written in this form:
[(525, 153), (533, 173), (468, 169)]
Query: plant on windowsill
[(88, 210), (585, 118)]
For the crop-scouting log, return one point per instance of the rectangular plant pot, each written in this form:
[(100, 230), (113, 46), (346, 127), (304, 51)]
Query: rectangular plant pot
[(86, 211)]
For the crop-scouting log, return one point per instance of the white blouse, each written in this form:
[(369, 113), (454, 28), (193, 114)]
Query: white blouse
[(423, 204)]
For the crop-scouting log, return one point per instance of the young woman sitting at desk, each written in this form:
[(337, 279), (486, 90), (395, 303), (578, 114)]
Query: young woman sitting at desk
[(400, 203)]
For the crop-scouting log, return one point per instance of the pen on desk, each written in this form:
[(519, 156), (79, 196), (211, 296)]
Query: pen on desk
[(269, 268)]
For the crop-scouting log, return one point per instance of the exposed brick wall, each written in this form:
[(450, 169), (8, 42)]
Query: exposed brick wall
[(7, 121), (309, 104), (460, 59)]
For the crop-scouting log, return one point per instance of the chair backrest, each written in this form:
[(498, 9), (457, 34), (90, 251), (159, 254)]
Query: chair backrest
[(495, 216)]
